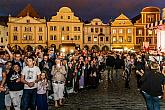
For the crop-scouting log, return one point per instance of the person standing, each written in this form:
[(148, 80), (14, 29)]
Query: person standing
[(30, 76), (15, 85), (42, 103), (110, 62), (58, 82), (152, 81)]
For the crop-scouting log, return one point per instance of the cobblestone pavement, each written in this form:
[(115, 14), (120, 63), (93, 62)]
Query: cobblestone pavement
[(108, 96)]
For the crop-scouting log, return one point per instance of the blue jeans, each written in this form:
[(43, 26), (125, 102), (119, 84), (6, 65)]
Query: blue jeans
[(42, 103), (29, 99), (2, 101), (153, 103)]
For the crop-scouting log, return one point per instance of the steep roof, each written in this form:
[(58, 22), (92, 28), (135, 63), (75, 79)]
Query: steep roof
[(136, 18), (28, 10), (4, 20)]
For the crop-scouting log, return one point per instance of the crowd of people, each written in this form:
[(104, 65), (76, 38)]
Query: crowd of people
[(29, 79)]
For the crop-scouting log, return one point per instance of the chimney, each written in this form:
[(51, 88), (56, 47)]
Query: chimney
[(163, 13)]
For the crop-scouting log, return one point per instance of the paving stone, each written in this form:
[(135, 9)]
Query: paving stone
[(108, 96)]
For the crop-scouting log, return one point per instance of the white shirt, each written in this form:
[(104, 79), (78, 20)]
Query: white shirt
[(42, 87), (30, 75)]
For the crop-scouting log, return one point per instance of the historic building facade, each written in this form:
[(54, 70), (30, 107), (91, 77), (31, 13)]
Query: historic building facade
[(148, 15), (122, 33), (27, 29), (3, 35), (97, 35), (65, 30), (68, 31)]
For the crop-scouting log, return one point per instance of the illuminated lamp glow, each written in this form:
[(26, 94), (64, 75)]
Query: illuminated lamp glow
[(63, 49), (71, 51)]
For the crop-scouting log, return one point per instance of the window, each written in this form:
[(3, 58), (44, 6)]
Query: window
[(149, 39), (114, 39), (68, 17), (75, 28), (7, 33), (150, 18), (78, 38), (0, 32), (96, 30), (40, 37), (101, 39), (149, 32), (120, 31), (15, 37), (129, 39), (55, 28), (129, 31), (140, 32), (95, 39), (67, 28), (107, 39), (89, 39), (27, 29), (78, 28), (40, 29), (92, 30), (30, 37), (55, 38), (101, 30), (120, 38), (62, 28), (51, 37), (114, 31), (67, 37), (139, 40), (28, 21), (1, 40), (15, 29), (51, 28), (75, 37), (96, 23), (61, 17)]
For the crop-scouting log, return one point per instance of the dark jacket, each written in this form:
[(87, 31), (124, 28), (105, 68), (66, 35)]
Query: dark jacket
[(12, 76), (119, 63), (152, 82), (110, 61)]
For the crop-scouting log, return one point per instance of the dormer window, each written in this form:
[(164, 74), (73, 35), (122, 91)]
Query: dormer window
[(28, 21), (68, 17)]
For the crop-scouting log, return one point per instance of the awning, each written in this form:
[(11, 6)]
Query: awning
[(155, 24)]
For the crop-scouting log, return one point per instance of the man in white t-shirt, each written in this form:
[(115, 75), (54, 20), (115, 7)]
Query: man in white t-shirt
[(30, 76)]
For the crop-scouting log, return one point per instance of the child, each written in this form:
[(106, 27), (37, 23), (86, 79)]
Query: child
[(42, 103)]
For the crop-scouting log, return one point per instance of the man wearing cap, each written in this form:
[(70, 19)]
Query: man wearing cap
[(152, 81)]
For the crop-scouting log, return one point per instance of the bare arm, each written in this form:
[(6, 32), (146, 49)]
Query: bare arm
[(9, 52), (3, 79), (38, 78), (23, 80)]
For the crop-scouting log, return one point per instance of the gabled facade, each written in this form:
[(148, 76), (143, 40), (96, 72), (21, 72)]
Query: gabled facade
[(65, 30), (27, 30), (97, 35), (122, 33), (148, 15)]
